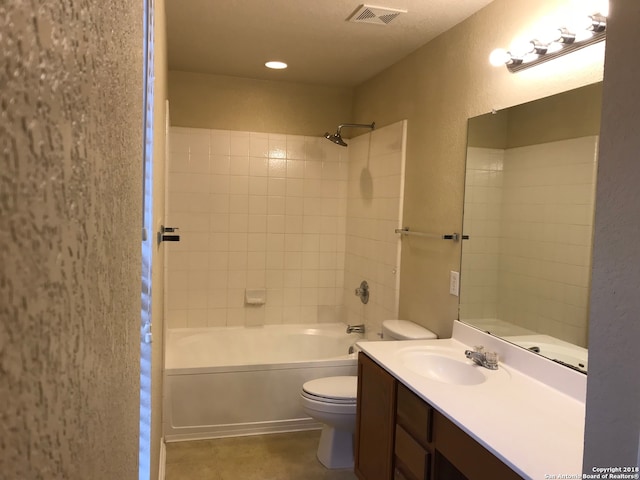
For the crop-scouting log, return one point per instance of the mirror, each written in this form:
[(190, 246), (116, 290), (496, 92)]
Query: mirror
[(528, 211)]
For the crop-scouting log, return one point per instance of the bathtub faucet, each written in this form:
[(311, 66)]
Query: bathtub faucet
[(355, 328)]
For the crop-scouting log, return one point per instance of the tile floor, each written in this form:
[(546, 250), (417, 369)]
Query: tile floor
[(282, 456)]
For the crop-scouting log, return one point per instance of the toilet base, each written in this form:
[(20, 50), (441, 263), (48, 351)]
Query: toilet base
[(336, 448)]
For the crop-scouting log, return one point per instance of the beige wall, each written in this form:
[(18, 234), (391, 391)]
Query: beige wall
[(572, 114), (159, 160), (437, 96), (231, 103), (70, 212)]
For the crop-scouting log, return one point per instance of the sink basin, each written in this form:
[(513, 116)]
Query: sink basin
[(443, 368)]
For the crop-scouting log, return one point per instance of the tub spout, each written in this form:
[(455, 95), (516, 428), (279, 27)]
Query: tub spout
[(355, 328)]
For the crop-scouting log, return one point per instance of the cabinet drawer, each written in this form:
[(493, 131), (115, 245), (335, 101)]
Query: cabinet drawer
[(414, 414), (411, 455)]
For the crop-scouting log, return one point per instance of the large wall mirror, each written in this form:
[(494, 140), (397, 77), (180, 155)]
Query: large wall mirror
[(528, 211)]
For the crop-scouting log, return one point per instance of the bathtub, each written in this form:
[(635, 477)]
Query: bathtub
[(229, 381)]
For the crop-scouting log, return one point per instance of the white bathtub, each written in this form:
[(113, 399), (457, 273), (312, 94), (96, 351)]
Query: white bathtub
[(228, 381)]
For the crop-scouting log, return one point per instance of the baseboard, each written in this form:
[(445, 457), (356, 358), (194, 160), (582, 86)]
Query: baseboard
[(242, 429), (163, 459)]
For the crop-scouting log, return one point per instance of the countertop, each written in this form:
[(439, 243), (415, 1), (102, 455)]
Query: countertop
[(529, 413)]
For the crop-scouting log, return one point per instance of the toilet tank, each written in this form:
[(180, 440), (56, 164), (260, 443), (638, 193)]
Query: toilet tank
[(405, 330)]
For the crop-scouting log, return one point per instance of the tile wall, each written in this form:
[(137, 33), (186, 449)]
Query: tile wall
[(257, 211), (375, 194), (482, 216), (545, 224), (299, 217)]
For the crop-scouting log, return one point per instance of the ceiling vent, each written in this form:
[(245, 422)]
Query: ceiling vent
[(375, 15)]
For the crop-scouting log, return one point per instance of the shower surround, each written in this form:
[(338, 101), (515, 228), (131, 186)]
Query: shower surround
[(282, 213)]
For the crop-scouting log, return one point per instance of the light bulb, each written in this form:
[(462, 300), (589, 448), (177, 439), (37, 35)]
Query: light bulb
[(583, 27), (554, 47), (539, 48), (550, 35), (597, 6), (499, 57), (603, 8), (580, 24), (519, 48)]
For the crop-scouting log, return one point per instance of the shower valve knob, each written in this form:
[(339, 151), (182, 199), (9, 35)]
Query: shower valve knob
[(363, 292)]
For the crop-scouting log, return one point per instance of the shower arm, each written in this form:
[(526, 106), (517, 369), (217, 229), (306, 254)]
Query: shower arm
[(337, 137), (372, 126)]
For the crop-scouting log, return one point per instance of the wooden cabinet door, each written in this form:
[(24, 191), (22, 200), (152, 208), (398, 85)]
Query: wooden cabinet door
[(375, 421), (470, 459)]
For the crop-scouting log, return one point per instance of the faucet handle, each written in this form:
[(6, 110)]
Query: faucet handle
[(482, 357), (491, 360)]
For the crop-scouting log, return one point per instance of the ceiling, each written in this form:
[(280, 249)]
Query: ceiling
[(236, 37)]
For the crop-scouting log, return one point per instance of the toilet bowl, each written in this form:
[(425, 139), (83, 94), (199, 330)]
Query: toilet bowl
[(332, 401)]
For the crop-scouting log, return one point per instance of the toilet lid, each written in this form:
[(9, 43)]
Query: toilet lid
[(335, 389)]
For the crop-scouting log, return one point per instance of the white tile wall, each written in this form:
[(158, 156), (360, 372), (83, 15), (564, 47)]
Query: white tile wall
[(374, 211), (270, 211), (482, 217), (545, 231), (255, 210)]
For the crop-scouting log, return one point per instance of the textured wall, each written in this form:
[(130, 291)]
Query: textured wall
[(70, 206), (437, 88), (613, 386)]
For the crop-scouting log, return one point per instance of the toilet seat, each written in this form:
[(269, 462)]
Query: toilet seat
[(335, 390), (332, 402)]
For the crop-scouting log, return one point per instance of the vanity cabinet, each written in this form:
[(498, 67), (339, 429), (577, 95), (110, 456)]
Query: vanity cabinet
[(375, 421), (399, 436)]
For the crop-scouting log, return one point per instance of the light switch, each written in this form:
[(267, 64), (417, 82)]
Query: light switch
[(454, 283)]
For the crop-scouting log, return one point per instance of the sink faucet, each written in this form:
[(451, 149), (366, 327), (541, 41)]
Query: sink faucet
[(355, 328), (484, 359)]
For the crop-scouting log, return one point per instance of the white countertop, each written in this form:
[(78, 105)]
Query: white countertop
[(520, 413)]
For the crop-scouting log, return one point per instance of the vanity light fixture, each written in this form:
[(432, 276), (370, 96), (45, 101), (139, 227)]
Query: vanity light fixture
[(276, 65), (559, 41)]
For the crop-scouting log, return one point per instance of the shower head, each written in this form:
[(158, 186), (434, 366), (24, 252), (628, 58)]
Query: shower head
[(337, 137)]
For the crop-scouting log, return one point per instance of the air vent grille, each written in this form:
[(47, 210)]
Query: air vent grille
[(375, 15)]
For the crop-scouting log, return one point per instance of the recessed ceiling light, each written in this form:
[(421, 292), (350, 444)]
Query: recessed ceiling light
[(276, 65)]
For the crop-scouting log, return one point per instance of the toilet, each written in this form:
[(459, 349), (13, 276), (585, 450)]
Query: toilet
[(332, 401)]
